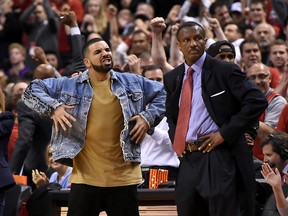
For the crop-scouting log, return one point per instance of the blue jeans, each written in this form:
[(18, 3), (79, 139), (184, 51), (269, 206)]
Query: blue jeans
[(2, 202)]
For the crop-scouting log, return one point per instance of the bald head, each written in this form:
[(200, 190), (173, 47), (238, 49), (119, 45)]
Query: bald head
[(44, 71), (258, 67), (259, 74)]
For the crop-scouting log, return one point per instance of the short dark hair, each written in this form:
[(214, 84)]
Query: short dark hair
[(278, 42), (51, 52), (259, 2), (216, 4), (240, 27), (88, 43), (250, 40), (279, 142), (148, 68), (190, 24)]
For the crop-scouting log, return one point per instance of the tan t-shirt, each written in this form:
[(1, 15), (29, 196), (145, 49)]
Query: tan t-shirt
[(101, 163)]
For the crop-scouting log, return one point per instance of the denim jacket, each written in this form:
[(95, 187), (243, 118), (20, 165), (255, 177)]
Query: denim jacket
[(134, 93)]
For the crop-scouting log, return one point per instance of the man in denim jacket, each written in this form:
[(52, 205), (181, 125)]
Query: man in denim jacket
[(100, 117)]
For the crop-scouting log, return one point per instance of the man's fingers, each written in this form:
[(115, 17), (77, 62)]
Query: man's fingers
[(67, 122), (138, 135), (55, 123), (62, 124)]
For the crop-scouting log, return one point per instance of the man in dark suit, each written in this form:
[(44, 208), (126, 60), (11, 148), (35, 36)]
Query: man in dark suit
[(34, 135), (216, 162)]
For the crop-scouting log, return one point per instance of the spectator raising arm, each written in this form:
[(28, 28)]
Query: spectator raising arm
[(274, 179), (158, 52)]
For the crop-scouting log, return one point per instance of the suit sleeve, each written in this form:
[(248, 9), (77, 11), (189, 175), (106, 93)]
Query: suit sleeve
[(248, 103), (26, 119), (171, 108), (77, 58)]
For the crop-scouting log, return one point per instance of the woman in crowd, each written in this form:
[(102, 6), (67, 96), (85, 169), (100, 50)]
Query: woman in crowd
[(60, 176), (95, 19)]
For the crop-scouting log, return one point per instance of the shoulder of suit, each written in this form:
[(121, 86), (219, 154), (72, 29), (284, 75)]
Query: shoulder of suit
[(179, 68)]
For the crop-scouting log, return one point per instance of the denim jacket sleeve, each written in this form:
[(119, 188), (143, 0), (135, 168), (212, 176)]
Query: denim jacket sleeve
[(154, 96), (41, 95)]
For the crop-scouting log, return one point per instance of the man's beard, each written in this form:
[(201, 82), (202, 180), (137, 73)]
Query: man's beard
[(264, 44), (102, 68)]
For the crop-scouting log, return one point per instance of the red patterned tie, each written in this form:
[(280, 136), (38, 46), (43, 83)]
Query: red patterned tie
[(184, 114)]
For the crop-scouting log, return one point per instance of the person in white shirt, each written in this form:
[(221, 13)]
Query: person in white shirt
[(156, 149)]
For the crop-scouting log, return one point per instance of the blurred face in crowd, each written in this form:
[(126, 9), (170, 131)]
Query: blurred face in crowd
[(144, 8), (251, 54), (222, 15), (191, 42), (125, 3), (257, 13), (40, 13), (52, 59), (231, 32), (140, 43), (279, 55), (54, 165), (19, 88), (271, 157), (264, 34), (124, 17), (16, 56), (226, 55), (259, 74), (7, 4), (156, 75), (94, 7)]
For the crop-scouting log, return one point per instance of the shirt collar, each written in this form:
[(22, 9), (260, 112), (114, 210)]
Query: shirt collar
[(85, 76), (197, 66)]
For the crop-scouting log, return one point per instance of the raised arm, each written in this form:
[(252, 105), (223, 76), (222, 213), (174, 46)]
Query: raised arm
[(215, 27), (174, 51), (70, 19), (274, 179), (158, 52)]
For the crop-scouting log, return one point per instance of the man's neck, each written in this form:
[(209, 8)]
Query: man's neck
[(98, 76)]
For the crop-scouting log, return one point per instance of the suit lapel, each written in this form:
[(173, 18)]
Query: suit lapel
[(179, 79), (206, 83)]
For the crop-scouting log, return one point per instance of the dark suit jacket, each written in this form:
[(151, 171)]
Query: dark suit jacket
[(34, 136), (77, 42), (237, 107), (6, 125)]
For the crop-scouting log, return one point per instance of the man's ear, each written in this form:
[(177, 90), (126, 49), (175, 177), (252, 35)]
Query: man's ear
[(86, 62)]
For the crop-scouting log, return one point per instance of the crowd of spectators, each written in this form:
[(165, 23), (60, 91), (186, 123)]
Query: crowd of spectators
[(142, 35)]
